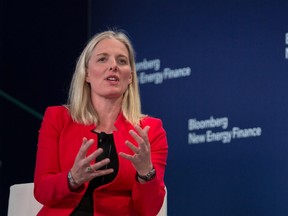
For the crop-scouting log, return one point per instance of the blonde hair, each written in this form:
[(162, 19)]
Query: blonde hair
[(79, 100)]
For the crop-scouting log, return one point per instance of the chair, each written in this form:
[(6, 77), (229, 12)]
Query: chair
[(22, 201), (163, 210)]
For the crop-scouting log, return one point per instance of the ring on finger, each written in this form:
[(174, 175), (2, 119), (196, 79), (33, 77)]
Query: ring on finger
[(89, 169)]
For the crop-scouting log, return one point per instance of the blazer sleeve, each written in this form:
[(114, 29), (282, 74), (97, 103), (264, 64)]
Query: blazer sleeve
[(50, 182), (148, 198)]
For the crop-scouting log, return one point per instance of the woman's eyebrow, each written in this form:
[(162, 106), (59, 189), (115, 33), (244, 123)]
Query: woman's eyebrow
[(105, 54)]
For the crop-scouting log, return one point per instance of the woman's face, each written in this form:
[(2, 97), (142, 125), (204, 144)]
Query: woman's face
[(109, 71)]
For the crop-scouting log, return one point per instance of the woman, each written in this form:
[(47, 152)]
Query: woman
[(98, 155)]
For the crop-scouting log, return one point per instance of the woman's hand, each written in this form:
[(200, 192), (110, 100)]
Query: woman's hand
[(141, 160), (85, 168)]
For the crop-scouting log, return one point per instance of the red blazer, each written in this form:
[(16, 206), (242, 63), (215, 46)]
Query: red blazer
[(59, 141)]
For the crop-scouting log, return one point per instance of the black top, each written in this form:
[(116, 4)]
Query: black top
[(106, 142)]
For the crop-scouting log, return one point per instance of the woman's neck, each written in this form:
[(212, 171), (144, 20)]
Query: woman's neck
[(108, 111)]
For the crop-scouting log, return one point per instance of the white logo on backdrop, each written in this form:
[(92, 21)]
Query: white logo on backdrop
[(286, 42), (207, 135), (149, 72)]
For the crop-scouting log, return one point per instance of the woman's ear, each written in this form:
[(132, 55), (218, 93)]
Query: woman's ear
[(87, 78), (130, 78)]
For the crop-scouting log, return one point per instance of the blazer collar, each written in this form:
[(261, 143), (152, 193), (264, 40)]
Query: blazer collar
[(121, 124)]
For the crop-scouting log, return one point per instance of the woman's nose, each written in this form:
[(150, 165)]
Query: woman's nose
[(113, 66)]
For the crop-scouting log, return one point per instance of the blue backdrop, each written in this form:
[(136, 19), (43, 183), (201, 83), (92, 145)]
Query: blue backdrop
[(216, 73)]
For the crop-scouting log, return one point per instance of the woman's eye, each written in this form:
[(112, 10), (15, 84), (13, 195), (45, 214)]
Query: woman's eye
[(123, 61), (102, 59)]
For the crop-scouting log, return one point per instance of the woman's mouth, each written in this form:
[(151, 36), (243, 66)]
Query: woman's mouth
[(112, 78)]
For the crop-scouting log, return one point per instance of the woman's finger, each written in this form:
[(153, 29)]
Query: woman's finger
[(143, 132), (100, 164), (86, 144), (136, 137), (91, 158), (98, 173), (135, 149)]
